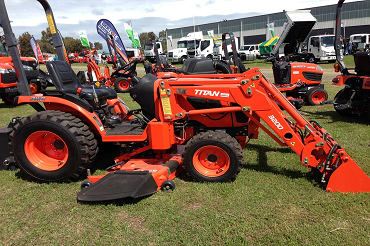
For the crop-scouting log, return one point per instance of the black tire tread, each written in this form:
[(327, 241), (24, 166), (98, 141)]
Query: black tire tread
[(88, 145), (220, 136)]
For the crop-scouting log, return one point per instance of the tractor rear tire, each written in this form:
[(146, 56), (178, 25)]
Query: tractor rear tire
[(53, 146), (221, 67), (315, 96), (213, 156), (122, 85)]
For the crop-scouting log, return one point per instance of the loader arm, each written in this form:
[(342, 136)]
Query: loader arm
[(259, 99)]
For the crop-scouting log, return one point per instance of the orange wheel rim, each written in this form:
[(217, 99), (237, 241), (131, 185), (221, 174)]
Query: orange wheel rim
[(211, 161), (318, 97), (46, 150), (124, 85)]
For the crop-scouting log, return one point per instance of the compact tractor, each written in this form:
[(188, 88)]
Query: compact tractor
[(8, 77), (197, 123), (299, 81), (354, 98)]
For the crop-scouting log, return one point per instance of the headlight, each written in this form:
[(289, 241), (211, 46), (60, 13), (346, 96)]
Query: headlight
[(27, 68), (319, 68), (4, 70)]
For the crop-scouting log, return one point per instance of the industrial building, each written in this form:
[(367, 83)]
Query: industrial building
[(254, 30)]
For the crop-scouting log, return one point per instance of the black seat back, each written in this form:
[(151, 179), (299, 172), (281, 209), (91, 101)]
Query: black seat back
[(362, 63), (63, 76)]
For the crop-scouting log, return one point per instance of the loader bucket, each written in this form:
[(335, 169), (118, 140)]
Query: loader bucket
[(118, 185), (348, 177)]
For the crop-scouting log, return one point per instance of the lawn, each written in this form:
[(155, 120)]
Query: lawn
[(273, 201)]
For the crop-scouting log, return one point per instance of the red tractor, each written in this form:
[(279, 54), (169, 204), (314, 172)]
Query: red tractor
[(8, 78), (300, 82), (200, 123), (354, 98)]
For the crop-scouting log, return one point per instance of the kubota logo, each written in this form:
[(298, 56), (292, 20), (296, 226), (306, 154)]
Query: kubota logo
[(210, 93), (276, 122)]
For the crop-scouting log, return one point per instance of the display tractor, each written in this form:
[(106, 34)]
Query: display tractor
[(300, 82), (354, 98), (8, 80), (200, 123)]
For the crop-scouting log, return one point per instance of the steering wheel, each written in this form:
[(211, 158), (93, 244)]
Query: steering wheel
[(129, 69)]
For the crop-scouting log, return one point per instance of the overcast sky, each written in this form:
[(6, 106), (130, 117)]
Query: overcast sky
[(72, 16)]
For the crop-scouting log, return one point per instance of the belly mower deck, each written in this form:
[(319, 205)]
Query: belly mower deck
[(133, 179)]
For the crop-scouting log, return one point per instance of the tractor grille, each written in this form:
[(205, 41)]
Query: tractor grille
[(170, 54), (8, 78), (32, 64), (191, 53), (312, 76)]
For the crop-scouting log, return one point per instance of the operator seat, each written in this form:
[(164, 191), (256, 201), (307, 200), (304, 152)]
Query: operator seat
[(65, 80), (143, 94), (362, 63)]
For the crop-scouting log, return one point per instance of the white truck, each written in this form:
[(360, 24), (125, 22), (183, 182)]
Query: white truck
[(179, 54), (249, 52), (203, 48), (360, 42), (297, 29), (132, 52), (321, 48), (149, 51), (218, 53)]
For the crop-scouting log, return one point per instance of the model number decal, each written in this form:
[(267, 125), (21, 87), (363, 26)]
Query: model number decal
[(210, 93), (276, 122), (37, 99)]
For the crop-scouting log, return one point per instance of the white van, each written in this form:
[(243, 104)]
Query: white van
[(249, 52)]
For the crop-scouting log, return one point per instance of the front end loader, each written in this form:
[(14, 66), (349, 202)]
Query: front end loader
[(197, 123)]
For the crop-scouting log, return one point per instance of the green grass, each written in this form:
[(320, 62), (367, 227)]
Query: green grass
[(273, 201)]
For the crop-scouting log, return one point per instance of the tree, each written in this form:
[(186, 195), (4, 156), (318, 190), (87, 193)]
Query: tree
[(73, 44), (163, 38), (98, 45), (25, 46), (147, 37), (45, 40)]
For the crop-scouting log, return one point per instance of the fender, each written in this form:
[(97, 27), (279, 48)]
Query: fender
[(55, 103)]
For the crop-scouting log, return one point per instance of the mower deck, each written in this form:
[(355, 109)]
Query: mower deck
[(133, 179)]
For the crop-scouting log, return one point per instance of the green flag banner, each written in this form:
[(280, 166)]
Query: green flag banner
[(130, 33), (271, 28), (83, 37), (136, 43)]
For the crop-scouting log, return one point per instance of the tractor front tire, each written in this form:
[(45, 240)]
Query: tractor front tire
[(122, 85), (213, 156), (53, 146), (315, 96), (8, 100)]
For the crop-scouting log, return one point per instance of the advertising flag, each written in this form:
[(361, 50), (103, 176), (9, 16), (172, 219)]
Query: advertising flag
[(130, 33), (210, 34), (83, 37), (170, 38), (36, 50), (271, 28), (105, 27), (136, 41)]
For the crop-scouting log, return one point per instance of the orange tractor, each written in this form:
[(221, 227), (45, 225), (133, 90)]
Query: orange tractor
[(300, 82), (200, 123), (354, 98)]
